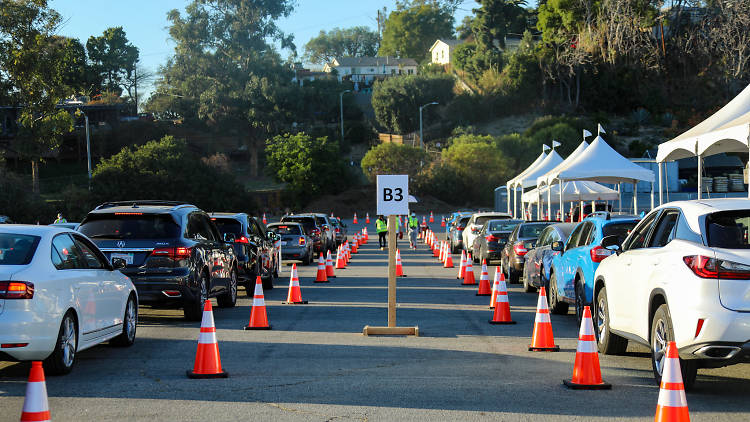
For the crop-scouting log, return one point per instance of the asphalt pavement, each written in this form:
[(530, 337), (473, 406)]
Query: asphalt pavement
[(315, 364)]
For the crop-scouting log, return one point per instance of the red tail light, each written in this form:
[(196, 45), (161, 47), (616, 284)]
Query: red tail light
[(706, 267), (598, 253), (459, 227), (520, 249), (491, 238), (699, 327), (315, 232), (241, 239), (302, 241), (173, 253), (16, 290), (338, 230)]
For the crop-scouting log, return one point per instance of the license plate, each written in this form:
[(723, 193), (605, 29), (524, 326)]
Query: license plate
[(128, 257), (283, 243)]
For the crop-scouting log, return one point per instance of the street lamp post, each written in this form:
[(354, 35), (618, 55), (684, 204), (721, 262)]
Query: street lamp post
[(421, 142), (341, 110)]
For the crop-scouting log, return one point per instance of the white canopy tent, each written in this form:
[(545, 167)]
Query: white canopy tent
[(544, 180), (600, 163), (579, 190), (727, 130), (528, 180), (512, 182)]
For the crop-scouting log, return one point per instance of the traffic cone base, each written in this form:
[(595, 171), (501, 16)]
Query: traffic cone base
[(35, 405), (258, 316), (247, 327), (321, 275), (502, 322), (484, 282), (573, 386), (586, 372), (672, 405), (207, 360), (542, 340)]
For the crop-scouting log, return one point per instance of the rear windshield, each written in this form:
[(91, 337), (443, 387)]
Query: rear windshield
[(146, 226), (228, 225), (502, 226), (481, 220), (321, 221), (463, 221), (307, 222), (532, 229), (292, 229), (17, 249), (621, 230), (728, 229)]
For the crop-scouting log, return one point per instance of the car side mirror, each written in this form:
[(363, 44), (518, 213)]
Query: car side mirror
[(557, 246), (612, 243), (118, 264), (230, 237)]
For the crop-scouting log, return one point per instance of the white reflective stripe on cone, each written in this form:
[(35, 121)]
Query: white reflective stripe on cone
[(671, 371), (208, 319), (207, 338), (586, 347), (542, 317), (258, 289), (36, 397), (259, 301), (501, 298), (587, 327), (672, 398), (541, 302)]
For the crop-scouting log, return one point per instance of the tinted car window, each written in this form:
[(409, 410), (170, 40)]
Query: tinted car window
[(148, 226), (307, 222), (17, 249), (197, 228), (292, 229), (728, 229), (545, 237), (65, 254), (532, 230), (664, 231), (88, 255), (637, 238), (228, 225), (502, 226), (620, 230), (480, 220), (320, 220), (573, 240)]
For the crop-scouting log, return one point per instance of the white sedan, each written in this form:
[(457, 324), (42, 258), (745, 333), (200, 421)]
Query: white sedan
[(682, 274), (59, 295)]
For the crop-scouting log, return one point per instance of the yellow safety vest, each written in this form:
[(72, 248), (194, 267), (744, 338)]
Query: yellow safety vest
[(413, 222), (380, 226)]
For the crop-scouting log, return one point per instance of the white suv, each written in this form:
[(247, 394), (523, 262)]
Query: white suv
[(474, 226), (682, 274)]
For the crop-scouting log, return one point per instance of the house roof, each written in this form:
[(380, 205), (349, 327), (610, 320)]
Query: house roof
[(372, 61), (451, 43)]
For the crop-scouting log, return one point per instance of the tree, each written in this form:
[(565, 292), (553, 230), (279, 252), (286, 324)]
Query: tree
[(478, 163), (358, 41), (225, 72), (34, 64), (494, 19), (396, 100), (390, 158), (113, 58), (412, 28), (310, 167)]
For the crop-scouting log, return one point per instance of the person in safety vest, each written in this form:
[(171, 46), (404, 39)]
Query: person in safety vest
[(60, 219), (397, 229), (381, 226), (413, 225)]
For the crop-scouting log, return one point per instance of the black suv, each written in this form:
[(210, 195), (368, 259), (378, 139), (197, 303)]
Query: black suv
[(254, 246), (175, 256), (317, 227)]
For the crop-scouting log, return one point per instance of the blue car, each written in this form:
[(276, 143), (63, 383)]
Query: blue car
[(573, 266), (539, 260)]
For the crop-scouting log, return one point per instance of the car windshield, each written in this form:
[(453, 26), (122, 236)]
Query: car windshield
[(145, 226), (307, 222), (285, 229), (228, 225), (532, 229), (502, 226), (17, 249), (728, 229), (621, 230)]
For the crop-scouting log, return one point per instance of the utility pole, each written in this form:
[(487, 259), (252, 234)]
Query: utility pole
[(135, 85), (341, 110), (421, 142)]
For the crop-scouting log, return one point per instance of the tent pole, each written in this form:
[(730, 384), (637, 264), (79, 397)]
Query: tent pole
[(580, 211), (562, 206), (635, 198), (538, 204), (661, 194), (619, 197), (549, 203), (652, 195), (700, 177), (507, 189)]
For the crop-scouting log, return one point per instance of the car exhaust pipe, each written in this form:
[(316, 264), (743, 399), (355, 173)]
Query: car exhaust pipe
[(171, 293), (717, 352)]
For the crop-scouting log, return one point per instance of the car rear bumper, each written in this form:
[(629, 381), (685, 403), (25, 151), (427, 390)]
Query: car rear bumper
[(21, 326), (293, 252), (164, 289), (724, 338), (516, 263)]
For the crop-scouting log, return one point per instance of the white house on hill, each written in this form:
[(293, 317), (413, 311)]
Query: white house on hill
[(441, 50), (367, 69)]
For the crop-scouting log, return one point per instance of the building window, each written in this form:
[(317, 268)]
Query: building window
[(393, 71), (399, 71), (411, 71), (442, 54)]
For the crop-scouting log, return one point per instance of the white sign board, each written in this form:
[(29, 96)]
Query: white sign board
[(393, 194)]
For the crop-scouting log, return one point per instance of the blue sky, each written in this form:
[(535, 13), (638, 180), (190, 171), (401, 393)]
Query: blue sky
[(145, 22)]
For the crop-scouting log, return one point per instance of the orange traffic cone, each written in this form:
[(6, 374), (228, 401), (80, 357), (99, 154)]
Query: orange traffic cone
[(435, 250), (295, 293), (469, 272), (432, 219), (258, 317), (586, 372), (264, 219), (340, 265), (441, 255), (499, 277), (462, 265), (207, 361), (355, 247), (484, 281), (448, 259), (355, 219), (442, 221), (321, 276), (672, 406), (542, 339), (35, 406), (329, 266), (367, 235), (502, 305), (367, 218), (399, 267)]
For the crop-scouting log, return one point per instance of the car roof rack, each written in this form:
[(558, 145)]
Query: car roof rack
[(146, 202)]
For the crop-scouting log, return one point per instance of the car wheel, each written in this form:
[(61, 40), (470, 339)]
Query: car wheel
[(580, 296), (193, 310), (266, 278), (229, 299), (609, 343), (556, 306), (527, 287), (129, 324), (307, 259), (61, 361), (662, 333)]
